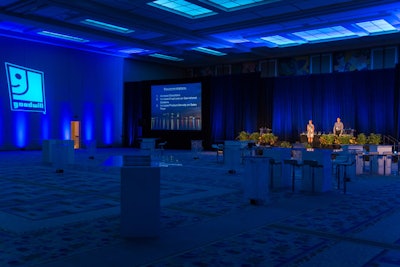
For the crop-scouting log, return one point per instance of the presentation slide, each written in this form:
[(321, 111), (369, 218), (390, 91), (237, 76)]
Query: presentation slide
[(176, 107)]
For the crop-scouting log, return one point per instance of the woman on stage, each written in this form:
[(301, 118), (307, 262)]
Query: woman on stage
[(310, 131)]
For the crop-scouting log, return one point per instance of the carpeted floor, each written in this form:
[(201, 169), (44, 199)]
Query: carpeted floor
[(72, 218)]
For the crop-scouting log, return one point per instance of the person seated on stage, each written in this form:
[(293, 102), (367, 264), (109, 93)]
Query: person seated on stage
[(310, 131), (338, 127)]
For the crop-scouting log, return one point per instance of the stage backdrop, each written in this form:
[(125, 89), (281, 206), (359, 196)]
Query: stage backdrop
[(367, 101)]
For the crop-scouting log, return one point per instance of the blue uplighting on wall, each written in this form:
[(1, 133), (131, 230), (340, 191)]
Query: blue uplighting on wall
[(45, 128), (107, 123), (88, 124), (20, 130), (65, 121)]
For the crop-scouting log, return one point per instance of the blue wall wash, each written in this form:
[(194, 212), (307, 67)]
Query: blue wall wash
[(77, 85)]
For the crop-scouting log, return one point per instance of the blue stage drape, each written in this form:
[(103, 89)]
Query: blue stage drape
[(239, 103), (366, 101)]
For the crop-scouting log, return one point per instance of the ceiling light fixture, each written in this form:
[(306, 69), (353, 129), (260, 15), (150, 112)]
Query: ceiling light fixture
[(209, 51), (132, 50), (63, 36), (157, 55), (183, 8), (336, 32), (280, 40), (377, 26), (233, 5), (106, 26)]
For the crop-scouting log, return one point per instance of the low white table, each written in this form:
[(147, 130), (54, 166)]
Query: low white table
[(58, 151)]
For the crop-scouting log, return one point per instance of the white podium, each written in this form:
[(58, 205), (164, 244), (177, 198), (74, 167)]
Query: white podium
[(233, 154), (256, 180), (140, 201)]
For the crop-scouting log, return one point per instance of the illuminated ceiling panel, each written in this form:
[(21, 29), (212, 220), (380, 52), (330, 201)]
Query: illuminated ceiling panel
[(279, 40), (209, 51), (132, 50), (63, 36), (183, 8), (336, 32), (377, 26), (106, 26), (233, 5), (157, 55)]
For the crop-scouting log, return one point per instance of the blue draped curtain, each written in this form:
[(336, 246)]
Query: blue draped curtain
[(365, 101)]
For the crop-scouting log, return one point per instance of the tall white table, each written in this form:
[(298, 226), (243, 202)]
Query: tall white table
[(140, 201)]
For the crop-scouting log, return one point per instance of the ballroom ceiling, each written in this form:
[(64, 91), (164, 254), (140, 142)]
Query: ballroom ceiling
[(147, 30)]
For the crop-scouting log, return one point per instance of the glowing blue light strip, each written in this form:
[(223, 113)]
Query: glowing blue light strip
[(165, 57), (209, 51), (183, 8), (376, 26), (232, 5), (107, 26), (325, 33), (63, 36)]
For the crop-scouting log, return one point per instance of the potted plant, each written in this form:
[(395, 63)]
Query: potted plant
[(285, 144), (243, 136), (268, 139), (361, 139), (327, 140), (255, 136), (374, 139)]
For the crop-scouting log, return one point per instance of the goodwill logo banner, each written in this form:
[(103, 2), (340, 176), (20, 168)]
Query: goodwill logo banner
[(26, 89)]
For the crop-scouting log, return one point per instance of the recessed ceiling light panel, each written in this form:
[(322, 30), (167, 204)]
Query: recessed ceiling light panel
[(280, 40), (183, 8), (107, 26), (322, 34), (233, 5), (63, 36), (157, 55), (377, 26), (209, 51)]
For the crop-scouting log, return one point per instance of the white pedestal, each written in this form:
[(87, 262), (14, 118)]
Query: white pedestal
[(55, 151), (196, 147), (256, 180), (232, 154), (140, 201)]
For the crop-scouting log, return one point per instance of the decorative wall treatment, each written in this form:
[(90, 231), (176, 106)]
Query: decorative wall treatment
[(352, 60), (294, 66)]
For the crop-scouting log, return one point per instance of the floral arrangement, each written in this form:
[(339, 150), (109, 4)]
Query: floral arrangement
[(261, 139)]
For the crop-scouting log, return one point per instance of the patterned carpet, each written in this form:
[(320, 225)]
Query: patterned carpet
[(49, 217)]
